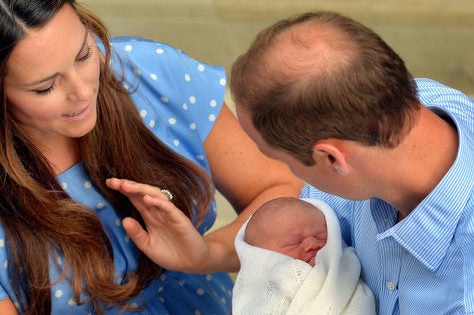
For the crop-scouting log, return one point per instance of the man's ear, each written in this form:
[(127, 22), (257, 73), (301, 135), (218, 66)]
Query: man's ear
[(331, 153)]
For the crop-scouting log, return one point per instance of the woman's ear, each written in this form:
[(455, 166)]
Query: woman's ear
[(331, 153)]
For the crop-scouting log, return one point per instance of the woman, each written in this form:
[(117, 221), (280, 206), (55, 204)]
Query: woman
[(77, 113)]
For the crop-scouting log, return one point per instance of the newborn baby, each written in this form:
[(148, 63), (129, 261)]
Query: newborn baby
[(289, 226), (293, 261)]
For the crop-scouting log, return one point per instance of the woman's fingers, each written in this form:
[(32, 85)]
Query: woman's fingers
[(170, 239), (136, 233), (132, 189)]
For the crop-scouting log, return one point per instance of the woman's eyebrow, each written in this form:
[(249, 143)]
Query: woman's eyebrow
[(84, 43)]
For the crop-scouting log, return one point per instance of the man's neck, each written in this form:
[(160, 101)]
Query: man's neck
[(421, 161)]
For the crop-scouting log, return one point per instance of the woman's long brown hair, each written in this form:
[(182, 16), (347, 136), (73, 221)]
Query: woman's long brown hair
[(41, 221)]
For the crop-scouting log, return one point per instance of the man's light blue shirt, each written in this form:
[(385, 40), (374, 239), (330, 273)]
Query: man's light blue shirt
[(425, 263)]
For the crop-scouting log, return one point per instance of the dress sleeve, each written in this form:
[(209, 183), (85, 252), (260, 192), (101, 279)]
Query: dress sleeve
[(179, 98)]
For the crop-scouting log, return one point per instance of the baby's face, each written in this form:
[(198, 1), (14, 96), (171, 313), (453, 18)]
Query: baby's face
[(300, 237)]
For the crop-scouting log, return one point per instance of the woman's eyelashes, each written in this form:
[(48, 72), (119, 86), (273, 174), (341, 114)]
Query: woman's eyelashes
[(87, 54), (45, 91), (82, 58)]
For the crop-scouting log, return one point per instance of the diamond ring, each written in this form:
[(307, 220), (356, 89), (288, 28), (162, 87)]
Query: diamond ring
[(167, 193)]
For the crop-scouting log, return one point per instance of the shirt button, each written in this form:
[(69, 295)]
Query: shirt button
[(390, 286)]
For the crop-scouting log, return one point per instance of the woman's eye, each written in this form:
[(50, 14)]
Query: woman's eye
[(86, 55), (45, 91), (81, 59)]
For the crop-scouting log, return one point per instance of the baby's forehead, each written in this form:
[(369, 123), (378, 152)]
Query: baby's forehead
[(285, 214)]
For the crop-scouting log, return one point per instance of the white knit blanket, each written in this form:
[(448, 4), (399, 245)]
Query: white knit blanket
[(272, 283)]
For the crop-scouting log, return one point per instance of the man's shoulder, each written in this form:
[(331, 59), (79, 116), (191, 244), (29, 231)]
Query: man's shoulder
[(434, 93)]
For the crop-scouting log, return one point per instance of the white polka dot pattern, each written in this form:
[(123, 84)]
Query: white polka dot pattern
[(179, 100)]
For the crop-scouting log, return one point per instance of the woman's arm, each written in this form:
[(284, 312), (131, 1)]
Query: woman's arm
[(240, 172), (246, 178)]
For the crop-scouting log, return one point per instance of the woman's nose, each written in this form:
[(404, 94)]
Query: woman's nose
[(79, 88)]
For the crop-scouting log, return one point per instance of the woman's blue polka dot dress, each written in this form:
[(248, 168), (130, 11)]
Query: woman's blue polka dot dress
[(179, 100)]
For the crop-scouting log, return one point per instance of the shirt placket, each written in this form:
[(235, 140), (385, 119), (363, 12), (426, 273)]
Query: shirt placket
[(391, 262)]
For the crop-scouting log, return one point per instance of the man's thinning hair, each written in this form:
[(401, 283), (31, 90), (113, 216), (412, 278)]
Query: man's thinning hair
[(323, 75)]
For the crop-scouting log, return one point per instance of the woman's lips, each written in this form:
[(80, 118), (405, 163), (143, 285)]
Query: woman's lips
[(78, 115)]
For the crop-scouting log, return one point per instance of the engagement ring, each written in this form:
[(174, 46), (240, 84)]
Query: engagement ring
[(167, 193)]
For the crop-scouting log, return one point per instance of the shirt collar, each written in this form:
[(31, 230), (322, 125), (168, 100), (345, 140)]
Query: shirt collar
[(429, 229)]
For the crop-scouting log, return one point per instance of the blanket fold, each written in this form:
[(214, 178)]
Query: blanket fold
[(272, 283)]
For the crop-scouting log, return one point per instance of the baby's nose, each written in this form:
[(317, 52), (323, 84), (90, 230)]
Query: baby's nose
[(313, 244)]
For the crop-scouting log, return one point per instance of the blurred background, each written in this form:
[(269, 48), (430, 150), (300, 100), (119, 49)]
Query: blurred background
[(434, 37)]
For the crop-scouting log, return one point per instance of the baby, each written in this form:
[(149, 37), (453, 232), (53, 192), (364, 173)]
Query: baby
[(293, 261), (289, 226)]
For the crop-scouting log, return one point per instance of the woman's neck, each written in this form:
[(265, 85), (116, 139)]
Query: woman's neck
[(62, 156)]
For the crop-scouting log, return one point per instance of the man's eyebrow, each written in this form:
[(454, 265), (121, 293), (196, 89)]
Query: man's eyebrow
[(84, 42)]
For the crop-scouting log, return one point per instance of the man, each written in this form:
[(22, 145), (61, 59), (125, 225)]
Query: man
[(392, 155)]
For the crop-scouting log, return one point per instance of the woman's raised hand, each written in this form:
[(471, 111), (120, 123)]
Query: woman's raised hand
[(170, 239)]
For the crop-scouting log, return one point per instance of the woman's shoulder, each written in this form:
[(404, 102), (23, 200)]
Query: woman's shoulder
[(146, 52), (148, 55), (130, 44), (178, 97)]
